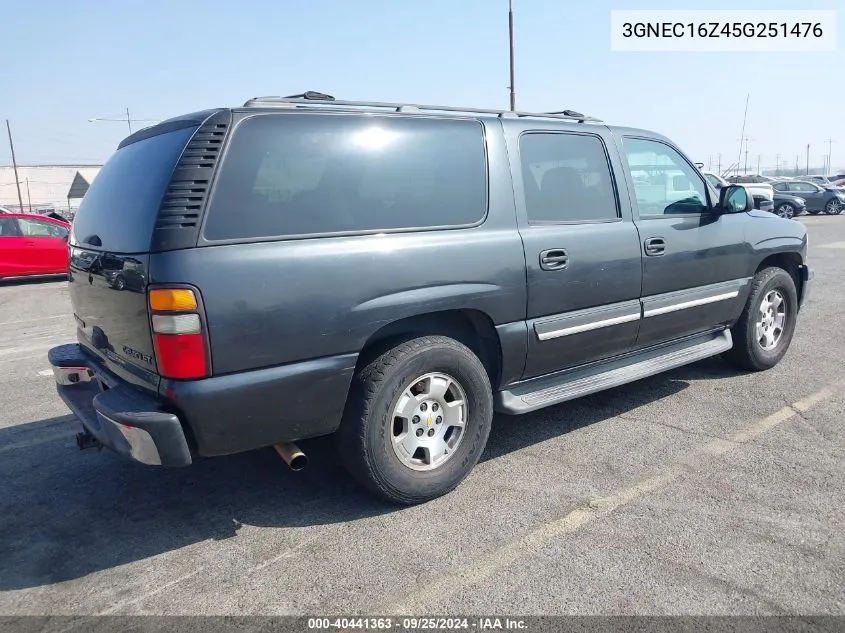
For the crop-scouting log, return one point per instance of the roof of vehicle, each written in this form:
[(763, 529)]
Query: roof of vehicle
[(35, 216), (310, 99), (321, 102)]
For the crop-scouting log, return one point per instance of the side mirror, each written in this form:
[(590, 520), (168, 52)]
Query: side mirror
[(735, 199)]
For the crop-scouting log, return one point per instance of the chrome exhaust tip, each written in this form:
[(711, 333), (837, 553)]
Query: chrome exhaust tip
[(293, 456)]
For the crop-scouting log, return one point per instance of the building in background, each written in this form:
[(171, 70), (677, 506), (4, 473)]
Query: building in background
[(56, 187)]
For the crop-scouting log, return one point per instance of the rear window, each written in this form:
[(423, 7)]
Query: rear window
[(119, 210), (306, 174)]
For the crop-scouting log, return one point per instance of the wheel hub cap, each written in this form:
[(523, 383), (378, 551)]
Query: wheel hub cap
[(771, 320), (428, 421)]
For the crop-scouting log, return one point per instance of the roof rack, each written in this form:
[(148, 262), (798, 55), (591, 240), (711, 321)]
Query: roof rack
[(318, 98)]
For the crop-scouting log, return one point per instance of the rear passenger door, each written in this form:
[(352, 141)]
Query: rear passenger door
[(581, 247)]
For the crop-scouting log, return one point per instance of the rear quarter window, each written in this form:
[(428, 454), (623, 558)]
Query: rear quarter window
[(304, 174), (119, 209)]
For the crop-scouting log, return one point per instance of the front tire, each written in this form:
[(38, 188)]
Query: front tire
[(391, 437), (785, 210), (762, 335)]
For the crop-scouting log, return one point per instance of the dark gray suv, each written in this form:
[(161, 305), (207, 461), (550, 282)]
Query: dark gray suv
[(394, 274)]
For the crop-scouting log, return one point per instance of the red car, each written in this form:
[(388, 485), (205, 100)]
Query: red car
[(32, 245)]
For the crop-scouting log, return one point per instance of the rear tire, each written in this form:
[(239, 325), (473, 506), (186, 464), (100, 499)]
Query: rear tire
[(384, 406), (762, 335)]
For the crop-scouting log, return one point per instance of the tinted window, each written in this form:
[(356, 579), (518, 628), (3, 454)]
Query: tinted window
[(664, 182), (8, 227), (310, 173), (40, 228), (802, 187), (566, 178), (119, 210), (781, 186)]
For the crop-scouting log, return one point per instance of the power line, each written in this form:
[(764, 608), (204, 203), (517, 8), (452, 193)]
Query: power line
[(742, 135), (830, 142)]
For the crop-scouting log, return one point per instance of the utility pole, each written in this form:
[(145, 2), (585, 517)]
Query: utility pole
[(796, 165), (710, 162), (510, 39), (759, 173), (746, 156), (777, 165), (14, 165), (808, 160), (719, 168), (28, 198)]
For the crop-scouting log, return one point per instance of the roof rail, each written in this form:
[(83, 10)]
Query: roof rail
[(314, 98)]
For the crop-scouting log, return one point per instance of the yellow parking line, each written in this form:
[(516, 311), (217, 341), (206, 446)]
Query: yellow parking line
[(476, 571)]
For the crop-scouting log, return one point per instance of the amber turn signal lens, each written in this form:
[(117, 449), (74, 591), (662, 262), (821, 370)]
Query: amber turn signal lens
[(172, 299)]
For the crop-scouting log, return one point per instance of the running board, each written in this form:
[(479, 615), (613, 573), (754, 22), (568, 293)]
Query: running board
[(548, 390)]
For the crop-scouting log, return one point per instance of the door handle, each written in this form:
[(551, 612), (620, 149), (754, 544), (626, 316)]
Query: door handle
[(655, 246), (554, 259)]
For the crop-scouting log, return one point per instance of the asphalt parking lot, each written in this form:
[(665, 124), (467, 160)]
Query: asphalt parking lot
[(700, 491)]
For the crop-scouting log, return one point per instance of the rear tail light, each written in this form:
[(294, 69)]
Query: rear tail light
[(181, 345)]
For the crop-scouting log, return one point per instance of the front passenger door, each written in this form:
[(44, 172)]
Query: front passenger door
[(581, 248), (694, 256), (812, 194), (45, 248), (11, 248)]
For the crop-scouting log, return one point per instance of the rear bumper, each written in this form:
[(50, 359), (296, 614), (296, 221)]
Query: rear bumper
[(764, 204), (224, 414), (119, 416)]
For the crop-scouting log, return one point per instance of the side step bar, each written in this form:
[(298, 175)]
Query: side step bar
[(548, 390)]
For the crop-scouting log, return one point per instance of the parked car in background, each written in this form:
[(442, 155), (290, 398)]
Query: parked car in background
[(32, 245), (749, 179), (555, 258), (815, 178), (788, 205), (830, 200), (760, 191)]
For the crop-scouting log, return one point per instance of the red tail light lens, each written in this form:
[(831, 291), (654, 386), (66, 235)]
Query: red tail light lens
[(179, 339), (181, 356)]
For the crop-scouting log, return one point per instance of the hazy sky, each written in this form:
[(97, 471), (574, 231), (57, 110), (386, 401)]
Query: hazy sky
[(66, 62)]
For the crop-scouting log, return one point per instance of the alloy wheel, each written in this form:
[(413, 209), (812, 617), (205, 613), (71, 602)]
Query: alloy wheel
[(785, 211), (771, 320), (428, 421)]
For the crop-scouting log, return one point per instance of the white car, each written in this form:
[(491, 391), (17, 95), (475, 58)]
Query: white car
[(762, 192)]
